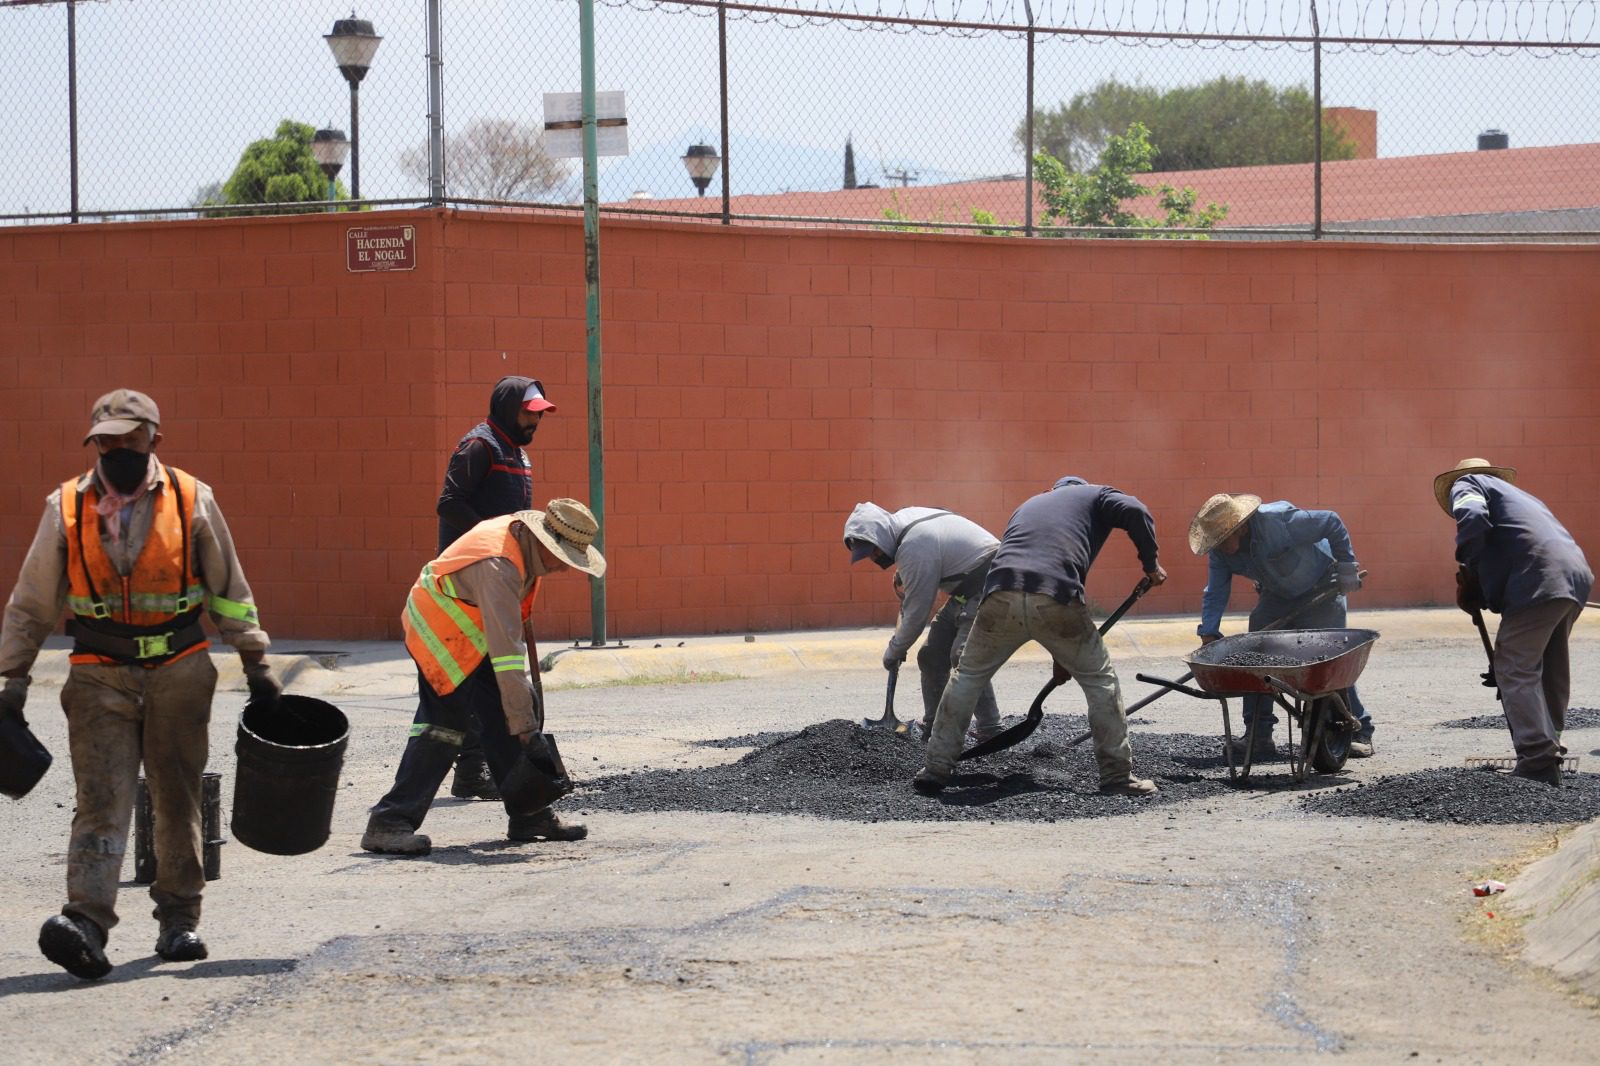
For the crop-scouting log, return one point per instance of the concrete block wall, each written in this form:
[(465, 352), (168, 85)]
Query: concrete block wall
[(760, 382)]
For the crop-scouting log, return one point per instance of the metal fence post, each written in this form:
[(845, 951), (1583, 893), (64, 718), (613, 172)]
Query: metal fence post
[(72, 97), (1316, 130), (722, 68), (435, 108), (1027, 217), (591, 276)]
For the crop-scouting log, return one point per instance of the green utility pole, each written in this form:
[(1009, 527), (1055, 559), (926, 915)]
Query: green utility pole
[(591, 277)]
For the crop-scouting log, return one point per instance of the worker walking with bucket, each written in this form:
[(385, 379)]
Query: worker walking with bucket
[(466, 623), (1518, 560), (1303, 567), (932, 551), (138, 551)]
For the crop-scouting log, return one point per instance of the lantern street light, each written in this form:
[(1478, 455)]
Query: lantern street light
[(701, 161), (329, 148), (353, 43)]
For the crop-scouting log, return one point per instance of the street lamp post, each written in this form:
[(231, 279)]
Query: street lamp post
[(353, 43), (329, 148), (701, 161)]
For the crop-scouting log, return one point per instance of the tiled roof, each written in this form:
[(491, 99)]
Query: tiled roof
[(1513, 180)]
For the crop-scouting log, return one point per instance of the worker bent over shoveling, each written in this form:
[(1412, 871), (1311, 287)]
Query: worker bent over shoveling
[(1034, 591), (466, 624)]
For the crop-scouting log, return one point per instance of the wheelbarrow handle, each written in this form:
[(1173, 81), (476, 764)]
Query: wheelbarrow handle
[(1175, 686)]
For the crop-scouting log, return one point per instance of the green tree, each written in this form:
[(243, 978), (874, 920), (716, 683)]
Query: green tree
[(279, 170), (849, 164), (1096, 197), (1226, 122)]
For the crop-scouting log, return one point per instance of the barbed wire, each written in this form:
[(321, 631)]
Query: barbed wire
[(1476, 26)]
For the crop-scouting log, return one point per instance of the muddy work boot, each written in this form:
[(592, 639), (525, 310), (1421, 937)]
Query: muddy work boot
[(929, 783), (1545, 775), (1261, 750), (1133, 786), (473, 780), (390, 837), (177, 944), (544, 826), (1361, 747), (77, 945)]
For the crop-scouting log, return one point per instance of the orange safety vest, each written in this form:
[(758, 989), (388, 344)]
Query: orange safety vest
[(152, 615), (444, 633)]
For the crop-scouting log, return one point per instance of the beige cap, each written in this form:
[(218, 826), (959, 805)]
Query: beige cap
[(568, 529), (121, 411), (1442, 483), (1218, 518)]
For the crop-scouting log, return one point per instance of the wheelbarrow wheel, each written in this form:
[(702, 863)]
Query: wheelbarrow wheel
[(1328, 725)]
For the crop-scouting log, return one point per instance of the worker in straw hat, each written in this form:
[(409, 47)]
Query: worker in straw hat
[(467, 628), (1295, 558), (1517, 560)]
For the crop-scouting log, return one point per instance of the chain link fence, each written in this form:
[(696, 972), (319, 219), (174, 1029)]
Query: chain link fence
[(1442, 119)]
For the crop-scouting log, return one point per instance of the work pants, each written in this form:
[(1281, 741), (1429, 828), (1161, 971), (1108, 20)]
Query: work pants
[(437, 731), (947, 636), (1330, 615), (118, 717), (1005, 622), (1533, 671)]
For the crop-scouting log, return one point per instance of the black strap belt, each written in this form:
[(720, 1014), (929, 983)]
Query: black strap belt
[(145, 648)]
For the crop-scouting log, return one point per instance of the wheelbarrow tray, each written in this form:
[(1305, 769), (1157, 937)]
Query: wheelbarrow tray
[(1328, 660)]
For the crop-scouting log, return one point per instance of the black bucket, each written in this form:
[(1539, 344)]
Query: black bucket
[(290, 756), (144, 823), (23, 760), (538, 779)]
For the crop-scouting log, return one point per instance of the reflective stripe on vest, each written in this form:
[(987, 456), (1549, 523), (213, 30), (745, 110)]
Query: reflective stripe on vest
[(444, 633), (153, 593)]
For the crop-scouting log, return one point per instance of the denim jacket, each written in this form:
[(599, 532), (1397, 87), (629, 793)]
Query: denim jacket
[(1288, 552)]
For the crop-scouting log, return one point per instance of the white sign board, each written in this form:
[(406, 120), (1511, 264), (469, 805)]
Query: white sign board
[(563, 124)]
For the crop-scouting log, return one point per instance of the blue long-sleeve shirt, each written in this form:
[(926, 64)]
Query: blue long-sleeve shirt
[(1514, 546), (1289, 551)]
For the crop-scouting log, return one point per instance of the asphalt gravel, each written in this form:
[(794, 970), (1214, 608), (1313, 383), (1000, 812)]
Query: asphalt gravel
[(1465, 796), (839, 770), (1577, 718)]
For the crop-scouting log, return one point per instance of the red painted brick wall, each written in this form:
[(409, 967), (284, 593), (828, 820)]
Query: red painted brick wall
[(759, 383)]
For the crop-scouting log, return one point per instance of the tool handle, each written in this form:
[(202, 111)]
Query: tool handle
[(888, 697), (1133, 597)]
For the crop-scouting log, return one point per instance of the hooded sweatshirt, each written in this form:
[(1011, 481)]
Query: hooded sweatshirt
[(933, 550), (488, 474)]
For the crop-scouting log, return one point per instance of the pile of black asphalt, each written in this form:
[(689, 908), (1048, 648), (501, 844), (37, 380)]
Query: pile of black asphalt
[(1577, 718), (1465, 796), (841, 770)]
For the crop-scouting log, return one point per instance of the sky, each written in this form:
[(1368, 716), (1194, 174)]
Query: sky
[(170, 92)]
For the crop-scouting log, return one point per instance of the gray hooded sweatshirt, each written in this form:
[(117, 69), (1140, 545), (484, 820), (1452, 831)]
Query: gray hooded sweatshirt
[(933, 550)]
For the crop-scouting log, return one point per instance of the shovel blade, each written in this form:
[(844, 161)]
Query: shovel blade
[(888, 721), (1001, 741)]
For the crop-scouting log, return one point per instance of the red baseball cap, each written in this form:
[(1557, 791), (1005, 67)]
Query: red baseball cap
[(533, 399)]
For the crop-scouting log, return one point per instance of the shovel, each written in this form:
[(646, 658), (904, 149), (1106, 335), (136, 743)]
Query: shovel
[(1316, 601), (1488, 649), (889, 721), (1021, 731)]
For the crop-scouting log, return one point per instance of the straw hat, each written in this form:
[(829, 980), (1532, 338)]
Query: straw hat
[(568, 529), (1218, 518), (1442, 483)]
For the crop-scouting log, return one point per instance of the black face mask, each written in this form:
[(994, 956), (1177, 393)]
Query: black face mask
[(125, 468), (883, 561)]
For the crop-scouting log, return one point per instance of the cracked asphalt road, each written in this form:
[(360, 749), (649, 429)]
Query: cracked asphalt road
[(1230, 927)]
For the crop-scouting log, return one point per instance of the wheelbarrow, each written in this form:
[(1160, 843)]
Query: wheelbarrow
[(1305, 671)]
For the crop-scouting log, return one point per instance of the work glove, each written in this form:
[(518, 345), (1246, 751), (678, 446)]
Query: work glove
[(263, 685), (1059, 675), (1348, 575), (1469, 597), (12, 697), (892, 659)]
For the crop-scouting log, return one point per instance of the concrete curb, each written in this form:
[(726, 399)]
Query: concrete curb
[(1560, 894), (372, 668)]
